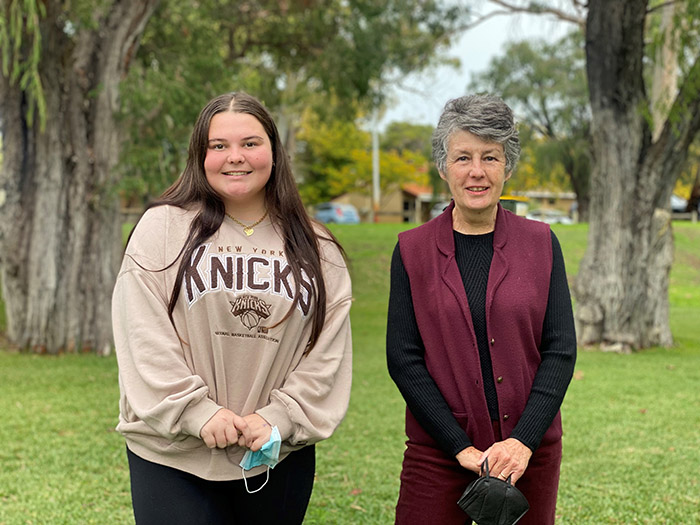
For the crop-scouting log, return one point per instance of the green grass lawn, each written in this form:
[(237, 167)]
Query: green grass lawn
[(631, 423)]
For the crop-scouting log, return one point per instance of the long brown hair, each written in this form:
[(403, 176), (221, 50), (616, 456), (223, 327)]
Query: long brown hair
[(282, 200)]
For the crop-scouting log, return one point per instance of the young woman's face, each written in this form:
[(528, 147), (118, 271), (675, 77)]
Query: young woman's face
[(239, 160), (475, 172)]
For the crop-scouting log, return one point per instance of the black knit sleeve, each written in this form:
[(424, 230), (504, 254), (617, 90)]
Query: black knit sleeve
[(558, 351), (406, 361)]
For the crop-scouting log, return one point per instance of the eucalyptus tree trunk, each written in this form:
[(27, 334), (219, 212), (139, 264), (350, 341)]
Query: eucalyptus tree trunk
[(622, 286), (60, 232)]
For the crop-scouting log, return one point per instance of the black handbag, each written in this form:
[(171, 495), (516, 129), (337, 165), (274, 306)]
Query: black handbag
[(491, 501)]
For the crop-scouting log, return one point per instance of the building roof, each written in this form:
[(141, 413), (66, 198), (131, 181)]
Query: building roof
[(417, 190)]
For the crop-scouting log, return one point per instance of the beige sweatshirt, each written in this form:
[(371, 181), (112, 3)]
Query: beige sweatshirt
[(223, 354)]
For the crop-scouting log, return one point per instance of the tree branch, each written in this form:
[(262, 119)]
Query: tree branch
[(482, 19), (661, 6), (684, 116), (538, 9), (445, 38)]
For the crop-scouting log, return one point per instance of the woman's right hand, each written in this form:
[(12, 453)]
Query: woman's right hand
[(469, 458), (223, 429)]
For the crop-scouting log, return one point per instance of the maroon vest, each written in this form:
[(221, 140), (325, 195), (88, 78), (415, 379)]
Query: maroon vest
[(516, 301)]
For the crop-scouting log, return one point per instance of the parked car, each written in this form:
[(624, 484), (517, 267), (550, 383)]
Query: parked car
[(333, 212), (517, 205), (438, 208), (549, 216), (678, 204)]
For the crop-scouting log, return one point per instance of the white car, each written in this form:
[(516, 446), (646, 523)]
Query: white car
[(438, 208), (678, 204), (549, 216)]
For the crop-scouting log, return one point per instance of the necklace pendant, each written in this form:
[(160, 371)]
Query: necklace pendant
[(248, 230)]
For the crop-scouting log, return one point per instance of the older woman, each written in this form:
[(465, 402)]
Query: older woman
[(480, 335)]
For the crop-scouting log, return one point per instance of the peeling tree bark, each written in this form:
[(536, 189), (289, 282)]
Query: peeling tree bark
[(665, 74), (60, 233)]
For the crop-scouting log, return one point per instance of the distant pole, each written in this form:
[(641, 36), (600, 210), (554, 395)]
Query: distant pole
[(375, 167)]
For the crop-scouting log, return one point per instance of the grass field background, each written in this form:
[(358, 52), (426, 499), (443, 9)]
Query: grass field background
[(631, 422)]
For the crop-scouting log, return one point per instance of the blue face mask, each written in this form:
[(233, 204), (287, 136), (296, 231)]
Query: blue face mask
[(268, 454)]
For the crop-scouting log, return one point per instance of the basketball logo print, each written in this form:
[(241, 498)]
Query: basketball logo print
[(251, 310)]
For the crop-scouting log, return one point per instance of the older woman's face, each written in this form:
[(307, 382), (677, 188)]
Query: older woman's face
[(475, 172)]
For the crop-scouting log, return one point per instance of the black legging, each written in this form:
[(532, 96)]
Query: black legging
[(163, 494)]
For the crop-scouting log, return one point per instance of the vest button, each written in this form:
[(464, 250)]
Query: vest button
[(499, 379), (505, 417), (493, 341)]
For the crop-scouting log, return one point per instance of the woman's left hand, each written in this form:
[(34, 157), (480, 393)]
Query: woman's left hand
[(507, 458), (259, 432)]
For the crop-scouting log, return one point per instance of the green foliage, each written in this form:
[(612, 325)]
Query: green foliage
[(401, 136), (20, 41), (336, 158), (331, 56), (540, 164), (545, 83), (63, 463), (326, 148), (691, 170), (180, 65)]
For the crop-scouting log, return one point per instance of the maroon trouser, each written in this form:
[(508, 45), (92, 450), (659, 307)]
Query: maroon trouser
[(432, 482)]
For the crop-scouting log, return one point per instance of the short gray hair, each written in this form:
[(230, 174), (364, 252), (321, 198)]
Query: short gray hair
[(487, 117)]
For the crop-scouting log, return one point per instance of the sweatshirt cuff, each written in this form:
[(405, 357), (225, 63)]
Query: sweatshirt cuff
[(195, 417), (276, 415)]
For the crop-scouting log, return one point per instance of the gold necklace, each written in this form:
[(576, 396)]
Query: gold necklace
[(247, 229)]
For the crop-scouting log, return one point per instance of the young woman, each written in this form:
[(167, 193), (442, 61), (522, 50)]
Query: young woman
[(232, 331)]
